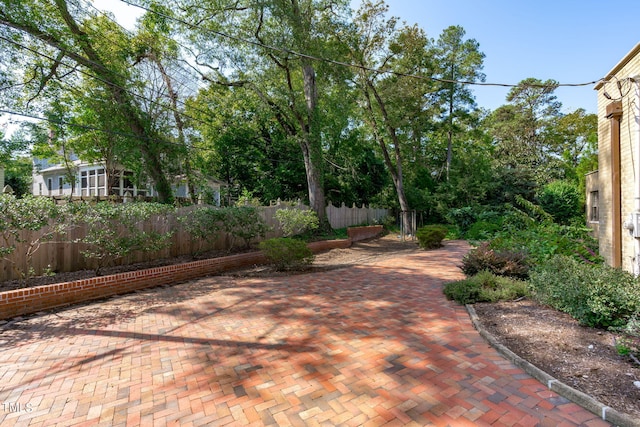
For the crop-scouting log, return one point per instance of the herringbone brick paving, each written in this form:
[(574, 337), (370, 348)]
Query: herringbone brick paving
[(370, 345)]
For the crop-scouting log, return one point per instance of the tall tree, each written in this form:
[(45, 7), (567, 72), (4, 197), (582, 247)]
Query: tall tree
[(74, 39), (392, 104), (242, 145), (457, 62), (276, 64), (523, 128)]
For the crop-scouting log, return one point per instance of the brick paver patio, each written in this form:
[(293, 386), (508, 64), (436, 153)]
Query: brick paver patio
[(370, 345)]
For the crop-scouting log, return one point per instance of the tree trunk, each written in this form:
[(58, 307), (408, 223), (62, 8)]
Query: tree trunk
[(311, 146), (91, 60), (394, 165), (173, 97)]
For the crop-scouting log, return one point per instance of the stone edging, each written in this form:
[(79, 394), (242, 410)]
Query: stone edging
[(587, 402), (31, 300)]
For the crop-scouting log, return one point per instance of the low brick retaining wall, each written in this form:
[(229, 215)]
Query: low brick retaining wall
[(31, 300), (363, 233)]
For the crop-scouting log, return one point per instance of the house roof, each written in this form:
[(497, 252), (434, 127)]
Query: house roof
[(624, 61), (58, 167)]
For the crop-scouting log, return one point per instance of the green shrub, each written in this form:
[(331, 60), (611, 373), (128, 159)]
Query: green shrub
[(499, 262), (483, 230), (541, 241), (388, 222), (485, 287), (30, 221), (296, 221), (462, 218), (287, 254), (244, 222), (561, 200), (431, 236), (595, 295), (463, 291), (114, 231), (203, 225)]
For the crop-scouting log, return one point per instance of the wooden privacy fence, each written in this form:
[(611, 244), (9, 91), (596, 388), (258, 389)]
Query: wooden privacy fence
[(63, 253), (346, 217)]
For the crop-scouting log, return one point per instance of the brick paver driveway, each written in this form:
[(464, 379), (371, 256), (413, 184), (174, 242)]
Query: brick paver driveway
[(368, 345)]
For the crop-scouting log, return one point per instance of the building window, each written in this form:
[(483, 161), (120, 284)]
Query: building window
[(594, 205), (93, 182), (49, 186), (60, 185)]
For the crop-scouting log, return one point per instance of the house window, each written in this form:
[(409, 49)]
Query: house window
[(128, 180), (93, 182), (594, 207), (40, 189), (60, 184), (49, 186), (83, 183)]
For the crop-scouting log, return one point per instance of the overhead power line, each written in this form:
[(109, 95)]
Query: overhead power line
[(342, 63), (100, 79)]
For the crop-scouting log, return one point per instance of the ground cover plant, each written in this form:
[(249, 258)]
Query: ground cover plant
[(486, 287)]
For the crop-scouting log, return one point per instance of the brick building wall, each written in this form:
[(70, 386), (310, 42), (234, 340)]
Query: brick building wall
[(618, 88)]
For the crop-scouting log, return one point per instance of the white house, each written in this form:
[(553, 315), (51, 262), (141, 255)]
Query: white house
[(90, 179)]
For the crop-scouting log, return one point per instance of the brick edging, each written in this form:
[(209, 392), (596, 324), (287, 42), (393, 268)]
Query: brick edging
[(357, 234), (31, 300)]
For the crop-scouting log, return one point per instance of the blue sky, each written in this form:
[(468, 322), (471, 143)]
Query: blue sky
[(570, 41)]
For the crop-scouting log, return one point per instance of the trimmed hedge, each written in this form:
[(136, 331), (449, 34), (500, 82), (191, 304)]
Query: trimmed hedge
[(431, 236), (287, 253)]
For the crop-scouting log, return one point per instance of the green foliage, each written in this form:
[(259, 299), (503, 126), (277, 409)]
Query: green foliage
[(17, 175), (561, 200), (326, 234), (246, 198), (507, 183), (287, 254), (244, 222), (431, 236), (114, 231), (628, 343), (485, 287), (462, 218), (203, 225), (597, 296), (499, 262), (39, 216), (483, 230), (535, 212), (542, 239), (296, 221)]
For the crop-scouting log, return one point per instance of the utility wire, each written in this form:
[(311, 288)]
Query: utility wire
[(107, 82), (342, 63)]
